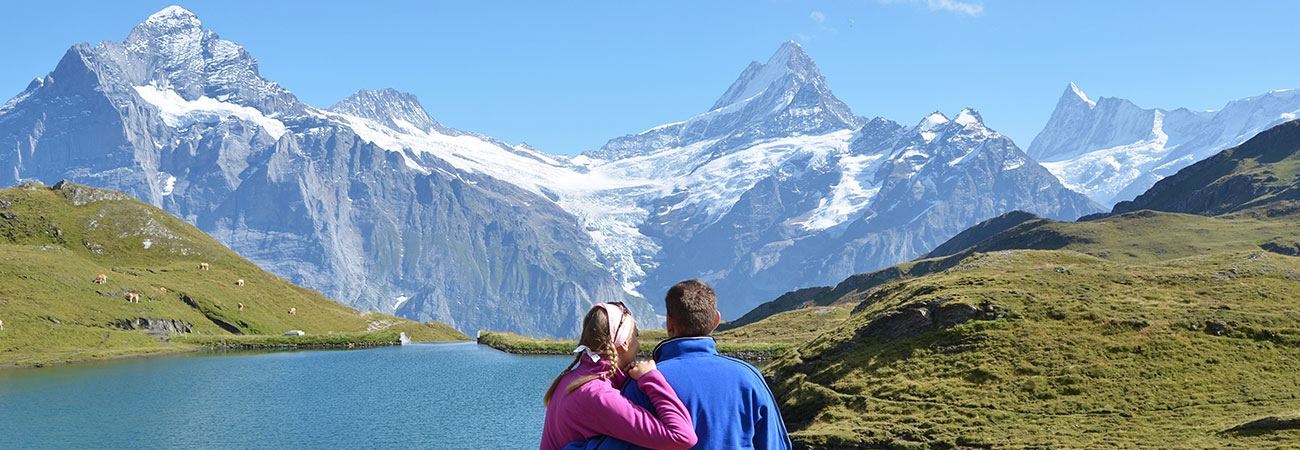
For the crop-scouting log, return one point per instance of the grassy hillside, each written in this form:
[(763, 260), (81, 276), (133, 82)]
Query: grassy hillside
[(54, 241), (1061, 349)]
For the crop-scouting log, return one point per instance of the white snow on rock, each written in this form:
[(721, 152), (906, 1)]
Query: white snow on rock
[(608, 196), (179, 113), (1112, 150), (169, 184)]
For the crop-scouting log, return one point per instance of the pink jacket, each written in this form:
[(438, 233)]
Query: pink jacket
[(599, 409)]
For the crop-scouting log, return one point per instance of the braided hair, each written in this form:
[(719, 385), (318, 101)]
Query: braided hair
[(595, 335)]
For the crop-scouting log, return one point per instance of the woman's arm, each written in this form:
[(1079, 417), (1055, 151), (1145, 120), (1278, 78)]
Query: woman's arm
[(615, 416)]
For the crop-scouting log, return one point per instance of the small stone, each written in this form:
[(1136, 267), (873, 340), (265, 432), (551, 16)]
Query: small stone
[(1218, 328)]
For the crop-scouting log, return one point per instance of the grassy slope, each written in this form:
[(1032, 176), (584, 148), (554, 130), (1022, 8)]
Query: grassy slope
[(52, 249), (1097, 353)]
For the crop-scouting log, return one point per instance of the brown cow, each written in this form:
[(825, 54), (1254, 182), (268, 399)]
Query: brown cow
[(203, 266), (293, 311), (132, 297), (101, 279), (164, 290), (239, 282), (241, 306)]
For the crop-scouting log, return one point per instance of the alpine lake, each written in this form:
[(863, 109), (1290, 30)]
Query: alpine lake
[(431, 395)]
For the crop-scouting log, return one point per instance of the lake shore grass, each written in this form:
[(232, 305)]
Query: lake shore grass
[(523, 345), (330, 340)]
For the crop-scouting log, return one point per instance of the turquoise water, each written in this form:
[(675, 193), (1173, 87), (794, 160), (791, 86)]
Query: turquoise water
[(446, 395)]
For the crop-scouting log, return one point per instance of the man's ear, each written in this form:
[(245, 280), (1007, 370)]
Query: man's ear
[(717, 319)]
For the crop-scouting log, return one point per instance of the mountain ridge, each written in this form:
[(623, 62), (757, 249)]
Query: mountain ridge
[(380, 208), (1113, 150)]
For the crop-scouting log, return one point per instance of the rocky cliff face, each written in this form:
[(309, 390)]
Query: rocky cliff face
[(180, 118)]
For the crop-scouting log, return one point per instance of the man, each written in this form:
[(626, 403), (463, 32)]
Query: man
[(729, 402)]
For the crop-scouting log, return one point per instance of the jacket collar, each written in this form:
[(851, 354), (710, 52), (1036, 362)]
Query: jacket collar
[(685, 346), (587, 367)]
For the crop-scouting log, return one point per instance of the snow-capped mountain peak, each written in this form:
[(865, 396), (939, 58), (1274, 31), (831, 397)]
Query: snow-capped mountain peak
[(787, 67), (173, 17), (387, 106), (932, 121), (174, 28), (969, 117), (786, 96), (171, 50), (1073, 91)]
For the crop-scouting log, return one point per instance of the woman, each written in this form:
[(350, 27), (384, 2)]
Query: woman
[(585, 402)]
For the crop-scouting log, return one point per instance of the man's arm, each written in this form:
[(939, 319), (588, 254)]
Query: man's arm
[(633, 392), (769, 426), (600, 443)]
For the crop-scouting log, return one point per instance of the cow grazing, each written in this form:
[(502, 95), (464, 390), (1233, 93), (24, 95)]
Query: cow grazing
[(293, 311), (203, 266), (101, 279), (164, 290), (132, 297), (241, 306), (239, 282), (2, 325)]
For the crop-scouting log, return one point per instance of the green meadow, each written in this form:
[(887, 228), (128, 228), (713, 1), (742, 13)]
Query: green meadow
[(53, 244)]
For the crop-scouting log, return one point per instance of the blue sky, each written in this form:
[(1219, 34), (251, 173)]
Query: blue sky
[(567, 76)]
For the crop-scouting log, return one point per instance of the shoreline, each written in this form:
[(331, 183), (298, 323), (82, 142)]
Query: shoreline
[(216, 348), (121, 357), (338, 346), (746, 355)]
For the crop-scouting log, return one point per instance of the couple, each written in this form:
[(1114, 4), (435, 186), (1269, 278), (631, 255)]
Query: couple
[(689, 396)]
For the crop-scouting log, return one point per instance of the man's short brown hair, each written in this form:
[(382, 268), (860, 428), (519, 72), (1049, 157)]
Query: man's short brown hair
[(693, 307)]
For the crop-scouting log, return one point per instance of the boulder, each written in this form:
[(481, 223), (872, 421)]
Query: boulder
[(1217, 328), (165, 325)]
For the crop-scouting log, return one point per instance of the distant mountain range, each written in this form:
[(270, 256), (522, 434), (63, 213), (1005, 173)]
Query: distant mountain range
[(180, 118), (379, 206), (1113, 150)]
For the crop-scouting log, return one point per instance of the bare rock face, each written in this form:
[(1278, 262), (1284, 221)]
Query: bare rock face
[(167, 325)]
